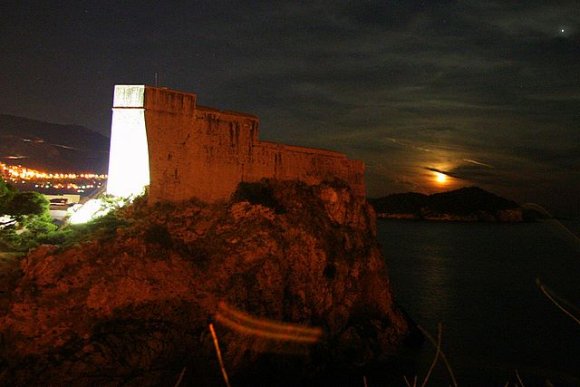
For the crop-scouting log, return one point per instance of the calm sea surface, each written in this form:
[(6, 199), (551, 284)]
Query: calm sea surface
[(478, 280)]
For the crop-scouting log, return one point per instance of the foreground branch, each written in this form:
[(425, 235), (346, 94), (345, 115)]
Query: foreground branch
[(552, 297)]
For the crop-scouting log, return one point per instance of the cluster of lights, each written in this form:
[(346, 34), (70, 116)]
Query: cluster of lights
[(69, 186), (79, 182), (18, 172)]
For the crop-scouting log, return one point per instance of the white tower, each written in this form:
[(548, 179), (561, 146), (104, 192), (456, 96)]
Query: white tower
[(129, 152)]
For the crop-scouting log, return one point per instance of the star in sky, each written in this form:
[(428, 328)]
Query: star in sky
[(565, 31)]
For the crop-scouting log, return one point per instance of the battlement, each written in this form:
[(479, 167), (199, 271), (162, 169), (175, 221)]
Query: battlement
[(162, 139)]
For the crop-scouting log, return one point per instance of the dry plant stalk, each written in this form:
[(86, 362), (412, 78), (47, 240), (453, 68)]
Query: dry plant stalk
[(438, 346), (180, 379), (552, 298), (440, 352), (414, 384), (219, 354), (520, 379)]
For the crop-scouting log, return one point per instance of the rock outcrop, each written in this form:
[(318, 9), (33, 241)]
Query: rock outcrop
[(133, 307)]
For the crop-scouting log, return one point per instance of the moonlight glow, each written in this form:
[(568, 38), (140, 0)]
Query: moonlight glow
[(441, 178)]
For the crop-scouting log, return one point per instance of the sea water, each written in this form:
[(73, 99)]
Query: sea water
[(479, 281)]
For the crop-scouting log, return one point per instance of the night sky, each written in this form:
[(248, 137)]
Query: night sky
[(486, 92)]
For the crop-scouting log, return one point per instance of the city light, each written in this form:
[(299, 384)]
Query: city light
[(16, 172), (60, 181)]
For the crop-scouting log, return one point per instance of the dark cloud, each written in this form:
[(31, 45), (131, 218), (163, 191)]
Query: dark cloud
[(399, 84), (385, 15)]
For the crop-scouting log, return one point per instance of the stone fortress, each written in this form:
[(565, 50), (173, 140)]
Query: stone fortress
[(162, 139)]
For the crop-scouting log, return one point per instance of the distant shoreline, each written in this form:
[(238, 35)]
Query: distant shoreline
[(469, 204), (447, 219)]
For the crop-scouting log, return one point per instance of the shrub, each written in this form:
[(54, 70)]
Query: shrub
[(28, 218)]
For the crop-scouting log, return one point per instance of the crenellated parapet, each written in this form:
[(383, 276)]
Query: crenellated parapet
[(162, 139)]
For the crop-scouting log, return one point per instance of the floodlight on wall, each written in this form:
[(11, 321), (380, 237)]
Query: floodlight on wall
[(129, 154)]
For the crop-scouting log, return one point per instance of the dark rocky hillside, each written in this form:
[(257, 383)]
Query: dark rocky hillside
[(465, 204), (52, 147), (132, 306)]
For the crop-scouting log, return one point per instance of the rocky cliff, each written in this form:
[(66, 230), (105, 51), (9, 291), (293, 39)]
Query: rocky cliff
[(133, 306)]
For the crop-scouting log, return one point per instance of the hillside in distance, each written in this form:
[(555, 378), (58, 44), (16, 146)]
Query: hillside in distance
[(52, 147), (470, 204)]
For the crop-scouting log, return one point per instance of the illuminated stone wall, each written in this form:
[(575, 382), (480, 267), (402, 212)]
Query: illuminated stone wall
[(128, 156), (195, 151)]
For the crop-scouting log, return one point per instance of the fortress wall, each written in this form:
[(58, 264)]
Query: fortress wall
[(196, 151), (128, 156), (169, 117), (169, 101), (219, 149), (313, 166)]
